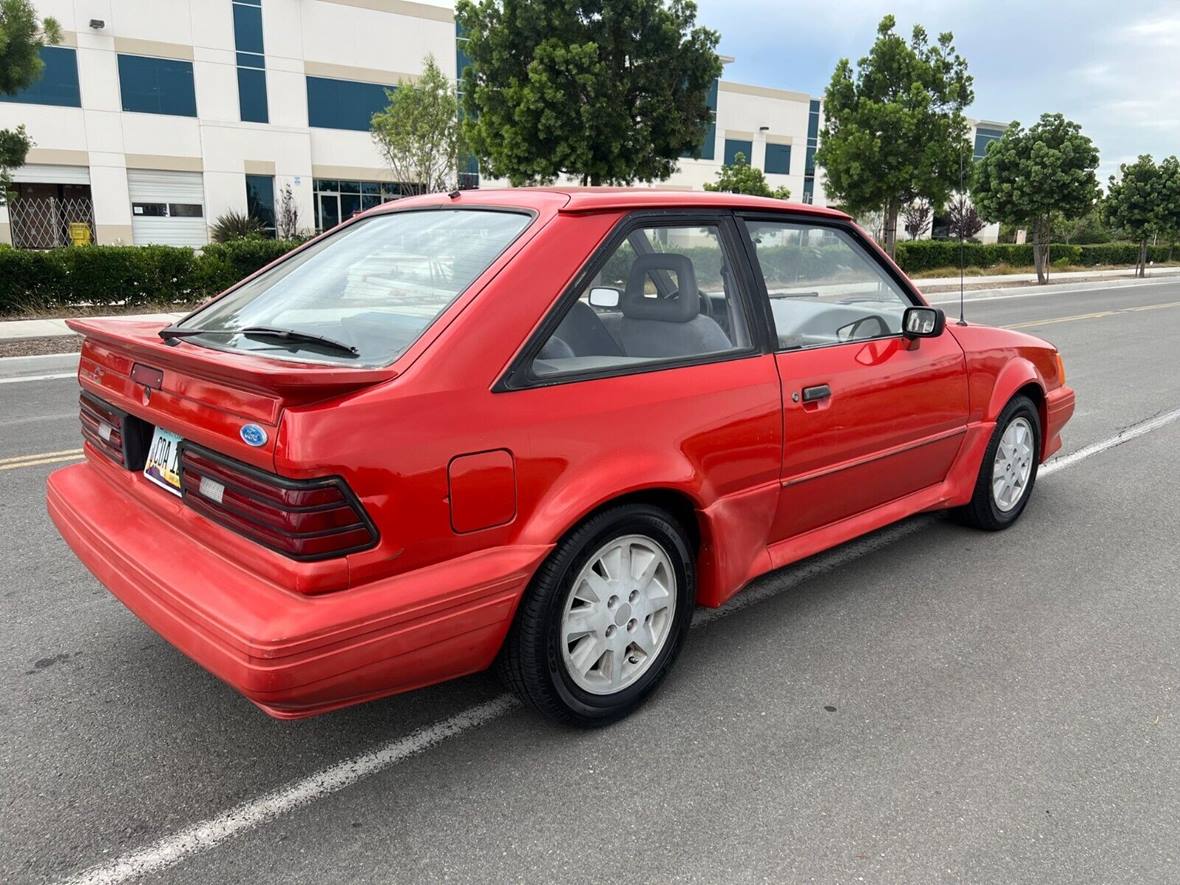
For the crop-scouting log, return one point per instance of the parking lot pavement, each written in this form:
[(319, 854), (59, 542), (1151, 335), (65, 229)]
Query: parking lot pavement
[(1003, 706)]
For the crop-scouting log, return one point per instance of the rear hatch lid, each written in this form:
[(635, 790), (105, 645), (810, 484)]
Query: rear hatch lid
[(207, 396)]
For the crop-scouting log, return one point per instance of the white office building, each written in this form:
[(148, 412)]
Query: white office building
[(155, 117)]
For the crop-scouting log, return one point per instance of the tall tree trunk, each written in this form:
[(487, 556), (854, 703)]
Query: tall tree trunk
[(892, 208), (1141, 264), (1041, 251)]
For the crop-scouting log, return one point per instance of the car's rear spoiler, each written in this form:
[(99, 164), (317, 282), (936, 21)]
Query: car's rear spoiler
[(296, 380)]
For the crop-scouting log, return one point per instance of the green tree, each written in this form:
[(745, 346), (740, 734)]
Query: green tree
[(1033, 176), (418, 132), (22, 35), (739, 177), (894, 129), (1144, 202), (606, 91)]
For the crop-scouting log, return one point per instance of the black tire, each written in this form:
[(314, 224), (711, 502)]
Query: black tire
[(531, 662), (982, 512)]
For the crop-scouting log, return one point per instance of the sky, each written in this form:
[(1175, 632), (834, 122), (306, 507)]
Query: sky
[(1114, 68)]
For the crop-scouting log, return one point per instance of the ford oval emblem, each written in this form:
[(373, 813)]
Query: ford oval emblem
[(252, 435)]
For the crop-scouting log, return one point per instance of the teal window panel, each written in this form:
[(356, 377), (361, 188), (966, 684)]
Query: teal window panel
[(735, 146), (157, 86), (778, 159), (252, 96), (248, 28), (343, 104), (984, 137), (58, 84)]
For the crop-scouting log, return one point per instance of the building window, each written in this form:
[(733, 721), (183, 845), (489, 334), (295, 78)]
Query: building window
[(252, 96), (343, 104), (248, 27), (709, 143), (58, 84), (252, 100), (157, 85), (336, 201), (984, 137), (778, 159), (735, 146), (260, 200), (809, 156)]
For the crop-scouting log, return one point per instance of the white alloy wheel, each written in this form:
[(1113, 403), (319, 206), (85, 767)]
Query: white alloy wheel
[(1013, 464), (618, 614)]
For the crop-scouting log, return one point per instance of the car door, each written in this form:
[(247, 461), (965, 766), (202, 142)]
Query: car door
[(868, 415)]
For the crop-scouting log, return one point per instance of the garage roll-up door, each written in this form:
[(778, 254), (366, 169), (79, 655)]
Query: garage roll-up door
[(167, 208)]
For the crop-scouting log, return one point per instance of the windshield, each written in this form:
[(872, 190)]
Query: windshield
[(374, 288)]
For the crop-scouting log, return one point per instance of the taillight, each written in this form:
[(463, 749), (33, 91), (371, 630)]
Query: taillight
[(303, 519), (114, 433)]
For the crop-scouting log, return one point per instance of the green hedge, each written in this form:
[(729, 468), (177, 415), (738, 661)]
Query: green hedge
[(127, 275), (919, 255)]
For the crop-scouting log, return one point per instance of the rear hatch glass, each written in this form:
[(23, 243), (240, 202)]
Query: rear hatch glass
[(363, 295)]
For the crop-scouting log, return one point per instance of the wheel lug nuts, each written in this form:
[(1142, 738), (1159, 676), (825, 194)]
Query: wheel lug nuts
[(612, 602), (631, 624), (634, 595), (610, 631)]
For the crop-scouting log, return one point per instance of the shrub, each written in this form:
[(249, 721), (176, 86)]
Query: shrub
[(236, 226), (127, 275), (919, 255)]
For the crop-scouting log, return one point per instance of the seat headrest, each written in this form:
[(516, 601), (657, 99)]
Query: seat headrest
[(682, 309)]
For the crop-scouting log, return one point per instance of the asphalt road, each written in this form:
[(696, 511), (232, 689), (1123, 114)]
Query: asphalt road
[(933, 704)]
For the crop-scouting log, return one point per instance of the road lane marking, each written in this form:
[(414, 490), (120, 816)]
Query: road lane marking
[(208, 834), (39, 461), (54, 377), (1097, 315), (255, 812), (41, 458), (1128, 433)]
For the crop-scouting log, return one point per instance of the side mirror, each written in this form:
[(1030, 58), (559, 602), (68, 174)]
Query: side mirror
[(603, 296), (922, 322)]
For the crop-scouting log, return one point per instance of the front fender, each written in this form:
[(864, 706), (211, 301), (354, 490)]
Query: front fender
[(1016, 374)]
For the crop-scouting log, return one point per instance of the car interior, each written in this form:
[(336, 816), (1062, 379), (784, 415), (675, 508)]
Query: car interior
[(651, 305)]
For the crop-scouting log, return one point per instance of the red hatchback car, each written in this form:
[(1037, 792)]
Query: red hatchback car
[(532, 428)]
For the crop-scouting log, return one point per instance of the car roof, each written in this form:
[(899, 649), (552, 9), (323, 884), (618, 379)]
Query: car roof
[(604, 199)]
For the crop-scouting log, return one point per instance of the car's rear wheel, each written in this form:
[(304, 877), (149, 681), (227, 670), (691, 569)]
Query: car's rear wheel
[(1009, 468), (604, 617)]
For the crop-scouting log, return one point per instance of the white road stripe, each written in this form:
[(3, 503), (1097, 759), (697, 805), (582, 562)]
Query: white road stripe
[(1124, 435), (210, 833), (255, 812), (54, 377)]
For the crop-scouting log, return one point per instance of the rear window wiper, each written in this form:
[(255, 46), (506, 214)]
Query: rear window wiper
[(262, 332)]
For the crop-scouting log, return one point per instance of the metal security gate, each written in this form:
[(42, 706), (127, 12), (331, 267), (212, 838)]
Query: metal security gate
[(47, 221), (167, 208), (51, 206)]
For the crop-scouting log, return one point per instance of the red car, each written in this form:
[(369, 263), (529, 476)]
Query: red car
[(532, 428)]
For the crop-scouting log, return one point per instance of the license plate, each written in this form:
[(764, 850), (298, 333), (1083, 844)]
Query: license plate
[(163, 461)]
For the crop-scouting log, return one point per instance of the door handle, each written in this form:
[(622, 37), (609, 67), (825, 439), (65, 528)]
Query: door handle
[(815, 394)]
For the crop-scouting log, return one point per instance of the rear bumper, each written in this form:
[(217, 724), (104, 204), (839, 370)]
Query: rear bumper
[(1059, 406), (292, 654)]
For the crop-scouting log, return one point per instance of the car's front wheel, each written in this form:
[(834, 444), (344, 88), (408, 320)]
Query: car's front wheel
[(604, 618), (1009, 468)]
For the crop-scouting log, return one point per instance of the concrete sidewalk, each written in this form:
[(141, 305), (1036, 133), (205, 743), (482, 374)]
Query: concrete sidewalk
[(11, 330)]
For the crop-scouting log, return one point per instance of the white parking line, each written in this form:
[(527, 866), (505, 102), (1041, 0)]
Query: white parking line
[(248, 815)]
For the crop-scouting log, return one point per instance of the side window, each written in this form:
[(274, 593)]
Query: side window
[(663, 293), (824, 287)]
